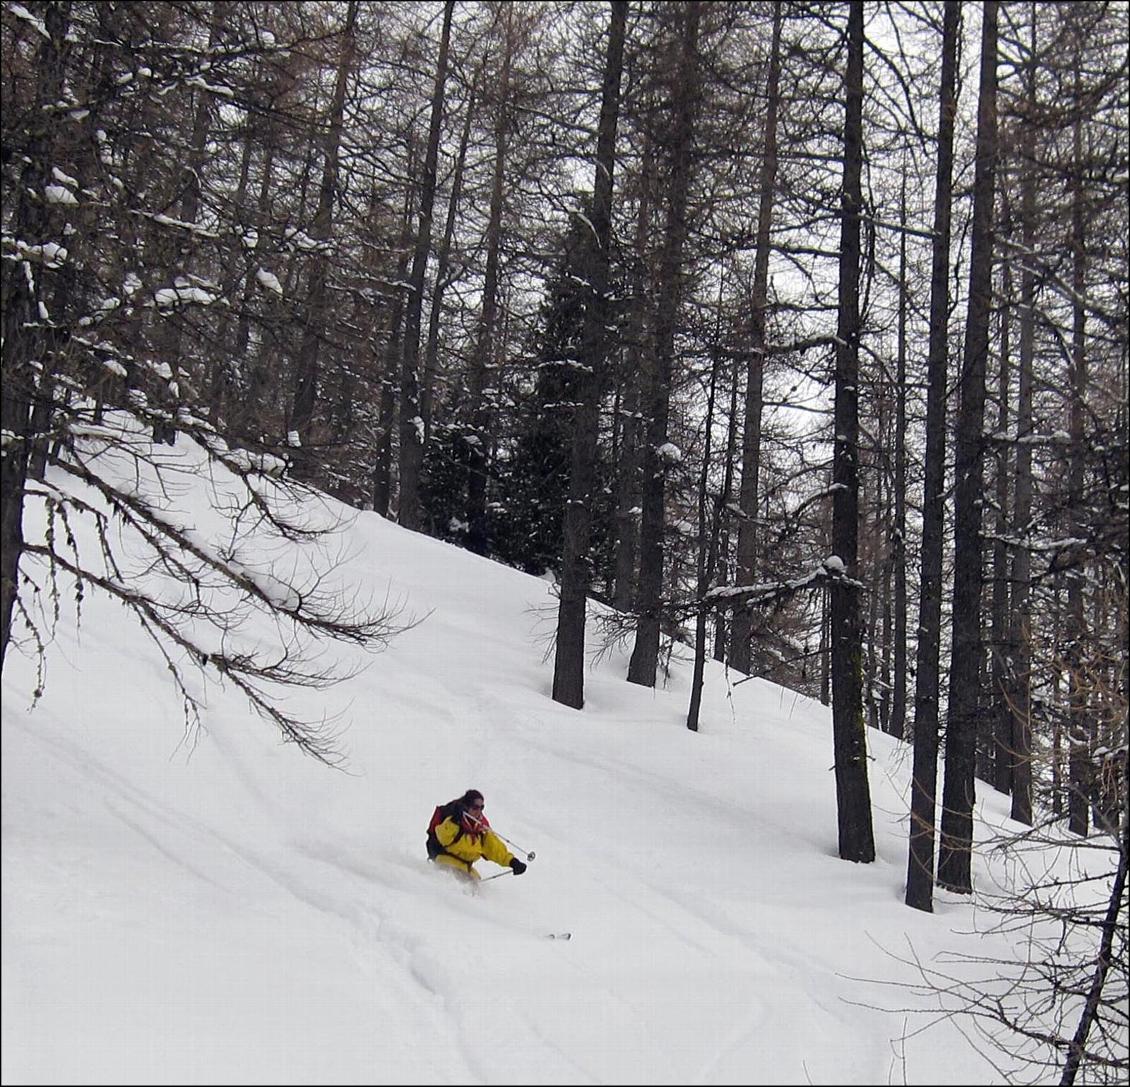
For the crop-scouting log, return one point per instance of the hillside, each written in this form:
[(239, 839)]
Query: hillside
[(219, 908)]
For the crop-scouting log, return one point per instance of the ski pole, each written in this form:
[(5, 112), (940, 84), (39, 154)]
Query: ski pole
[(497, 875), (529, 854)]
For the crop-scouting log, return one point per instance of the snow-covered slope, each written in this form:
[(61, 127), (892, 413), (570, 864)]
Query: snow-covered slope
[(220, 908)]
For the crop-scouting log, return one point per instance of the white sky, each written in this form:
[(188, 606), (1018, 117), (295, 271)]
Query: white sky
[(238, 913)]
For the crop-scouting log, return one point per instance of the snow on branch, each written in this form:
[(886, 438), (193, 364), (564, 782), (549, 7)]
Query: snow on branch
[(116, 513)]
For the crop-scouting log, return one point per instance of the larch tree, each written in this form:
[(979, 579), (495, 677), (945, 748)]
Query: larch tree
[(853, 795), (655, 403), (576, 573), (316, 315), (411, 423), (746, 556), (924, 775), (955, 854)]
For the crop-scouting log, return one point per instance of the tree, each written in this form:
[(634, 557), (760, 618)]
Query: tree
[(746, 557), (569, 660), (86, 382), (853, 794), (478, 407), (315, 319), (964, 685), (1014, 761), (534, 472), (411, 420), (655, 402), (25, 283), (1059, 1014), (920, 863)]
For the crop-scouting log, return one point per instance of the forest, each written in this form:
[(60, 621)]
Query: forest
[(795, 333)]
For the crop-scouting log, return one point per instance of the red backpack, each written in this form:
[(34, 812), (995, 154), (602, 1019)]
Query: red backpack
[(443, 811)]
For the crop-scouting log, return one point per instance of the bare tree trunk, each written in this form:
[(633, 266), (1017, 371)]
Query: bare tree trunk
[(628, 466), (875, 561), (189, 210), (897, 724), (1081, 722), (920, 864), (627, 496), (314, 321), (709, 529), (853, 796), (569, 659), (746, 561), (443, 261), (1105, 959), (477, 537), (411, 423), (243, 326), (1001, 717), (656, 402), (24, 342), (1019, 663), (825, 655), (382, 470), (721, 566), (955, 854)]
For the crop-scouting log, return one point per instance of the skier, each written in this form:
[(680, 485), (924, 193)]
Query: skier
[(459, 834)]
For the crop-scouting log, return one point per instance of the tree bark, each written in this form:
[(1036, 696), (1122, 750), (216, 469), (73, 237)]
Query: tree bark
[(382, 469), (1081, 723), (853, 798), (920, 864), (999, 755), (477, 536), (628, 466), (656, 402), (955, 854), (1019, 653), (569, 659), (314, 320), (897, 724), (443, 262), (709, 529), (24, 341), (746, 560), (1105, 959), (411, 424)]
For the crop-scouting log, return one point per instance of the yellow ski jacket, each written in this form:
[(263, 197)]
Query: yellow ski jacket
[(462, 850)]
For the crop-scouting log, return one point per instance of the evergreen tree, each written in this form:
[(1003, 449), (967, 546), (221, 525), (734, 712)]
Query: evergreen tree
[(534, 474)]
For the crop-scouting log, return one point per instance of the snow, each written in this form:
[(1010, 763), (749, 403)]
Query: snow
[(212, 907), (212, 88), (160, 368), (115, 367), (50, 254), (181, 294), (301, 239), (269, 280), (58, 194), (22, 13), (265, 463), (195, 228)]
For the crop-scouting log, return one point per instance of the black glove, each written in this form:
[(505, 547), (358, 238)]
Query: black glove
[(517, 866)]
